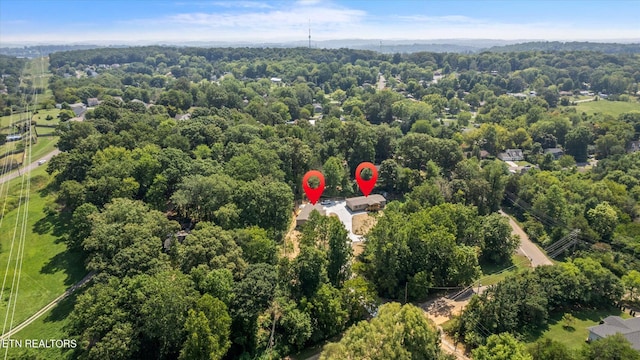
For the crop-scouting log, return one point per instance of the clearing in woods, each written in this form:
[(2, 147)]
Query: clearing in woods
[(606, 107), (362, 223)]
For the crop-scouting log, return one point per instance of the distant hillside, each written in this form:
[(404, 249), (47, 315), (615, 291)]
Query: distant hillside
[(464, 46), (607, 48), (406, 48), (42, 50)]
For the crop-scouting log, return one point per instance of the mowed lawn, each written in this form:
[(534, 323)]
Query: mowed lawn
[(493, 274), (41, 117), (7, 120), (576, 335), (51, 325), (47, 268), (613, 108)]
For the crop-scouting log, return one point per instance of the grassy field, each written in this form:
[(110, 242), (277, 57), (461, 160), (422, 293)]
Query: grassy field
[(45, 145), (493, 274), (10, 119), (47, 269), (48, 326), (613, 108), (576, 335), (41, 117), (38, 71)]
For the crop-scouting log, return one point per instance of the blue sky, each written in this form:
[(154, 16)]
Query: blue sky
[(116, 21)]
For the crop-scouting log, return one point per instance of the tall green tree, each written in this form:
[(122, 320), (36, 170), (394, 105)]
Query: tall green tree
[(127, 238), (502, 347), (398, 332), (614, 347), (603, 219), (499, 242), (577, 141), (335, 175)]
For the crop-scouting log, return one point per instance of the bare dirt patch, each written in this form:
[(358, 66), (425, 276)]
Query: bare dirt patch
[(291, 247), (358, 248), (442, 310), (362, 223)]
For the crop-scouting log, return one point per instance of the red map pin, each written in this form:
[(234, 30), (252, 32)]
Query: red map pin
[(366, 185), (313, 194)]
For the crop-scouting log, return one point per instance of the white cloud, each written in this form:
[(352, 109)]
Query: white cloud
[(438, 19), (242, 4), (259, 21), (309, 2)]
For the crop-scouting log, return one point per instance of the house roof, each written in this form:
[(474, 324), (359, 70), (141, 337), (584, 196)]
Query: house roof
[(554, 150), (511, 154), (307, 209), (611, 325), (366, 200)]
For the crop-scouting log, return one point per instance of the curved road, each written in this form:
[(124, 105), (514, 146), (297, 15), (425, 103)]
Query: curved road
[(527, 247), (15, 173)]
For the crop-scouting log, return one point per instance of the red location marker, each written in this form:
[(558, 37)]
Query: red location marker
[(366, 185), (313, 194)]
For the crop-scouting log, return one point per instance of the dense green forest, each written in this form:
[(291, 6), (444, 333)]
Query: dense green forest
[(180, 187), (607, 48)]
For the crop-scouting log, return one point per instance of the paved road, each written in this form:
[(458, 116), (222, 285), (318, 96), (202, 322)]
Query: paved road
[(47, 307), (528, 248), (14, 174)]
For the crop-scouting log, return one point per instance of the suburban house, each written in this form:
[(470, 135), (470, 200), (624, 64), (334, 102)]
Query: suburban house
[(93, 102), (522, 169), (371, 202), (78, 109), (511, 155), (276, 81), (634, 146), (304, 214), (557, 152), (181, 117), (317, 108), (483, 154), (629, 328)]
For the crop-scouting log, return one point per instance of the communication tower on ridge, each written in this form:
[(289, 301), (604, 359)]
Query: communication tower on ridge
[(309, 33)]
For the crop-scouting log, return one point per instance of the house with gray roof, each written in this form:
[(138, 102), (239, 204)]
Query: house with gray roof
[(305, 212), (511, 155), (611, 325), (557, 152), (371, 202), (78, 109)]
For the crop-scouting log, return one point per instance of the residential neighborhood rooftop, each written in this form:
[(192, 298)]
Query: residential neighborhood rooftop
[(629, 328)]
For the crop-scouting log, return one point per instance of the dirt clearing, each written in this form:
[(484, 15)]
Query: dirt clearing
[(362, 223)]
